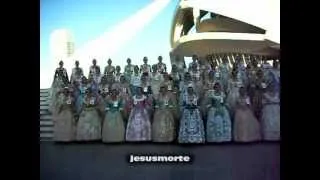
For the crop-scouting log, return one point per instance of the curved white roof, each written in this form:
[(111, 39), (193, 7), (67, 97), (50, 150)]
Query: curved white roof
[(261, 13)]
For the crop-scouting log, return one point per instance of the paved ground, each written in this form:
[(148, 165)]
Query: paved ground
[(215, 162)]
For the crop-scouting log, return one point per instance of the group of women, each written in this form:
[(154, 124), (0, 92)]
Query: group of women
[(206, 102)]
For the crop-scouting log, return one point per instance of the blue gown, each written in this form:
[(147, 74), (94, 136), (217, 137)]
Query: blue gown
[(191, 124), (218, 122)]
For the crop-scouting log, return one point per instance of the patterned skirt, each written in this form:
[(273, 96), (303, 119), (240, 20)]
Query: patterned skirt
[(89, 126), (191, 127), (139, 126), (218, 125), (163, 129)]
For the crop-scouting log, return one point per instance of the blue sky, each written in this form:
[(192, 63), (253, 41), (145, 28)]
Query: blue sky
[(87, 19)]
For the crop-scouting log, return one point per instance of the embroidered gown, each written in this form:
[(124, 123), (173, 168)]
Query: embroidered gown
[(135, 83), (63, 119), (224, 73), (270, 120), (196, 78), (77, 74), (218, 120), (95, 72), (109, 69), (233, 94), (113, 129), (162, 68), (163, 126), (246, 127), (139, 125), (156, 80), (125, 95), (60, 81), (191, 124), (257, 92), (89, 124), (128, 71)]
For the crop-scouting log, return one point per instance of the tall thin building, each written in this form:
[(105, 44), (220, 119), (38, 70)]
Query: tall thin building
[(62, 44)]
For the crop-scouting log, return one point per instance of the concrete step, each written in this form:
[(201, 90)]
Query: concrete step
[(43, 98), (44, 112), (46, 123), (44, 103), (46, 135), (44, 90), (44, 107), (46, 129), (46, 117)]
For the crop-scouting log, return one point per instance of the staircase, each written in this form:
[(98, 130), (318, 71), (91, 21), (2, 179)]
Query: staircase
[(46, 124)]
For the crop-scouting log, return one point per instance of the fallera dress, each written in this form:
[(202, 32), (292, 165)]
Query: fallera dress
[(89, 123), (218, 120), (64, 121), (270, 120), (191, 124), (139, 125), (163, 126), (246, 127), (113, 129)]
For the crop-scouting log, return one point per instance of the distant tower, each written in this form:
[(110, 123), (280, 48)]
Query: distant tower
[(61, 44)]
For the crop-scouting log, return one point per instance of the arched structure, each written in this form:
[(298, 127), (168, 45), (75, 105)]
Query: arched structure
[(200, 30)]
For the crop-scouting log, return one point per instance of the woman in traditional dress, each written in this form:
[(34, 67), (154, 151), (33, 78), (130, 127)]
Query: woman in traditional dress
[(242, 74), (139, 125), (135, 80), (109, 69), (93, 85), (113, 129), (156, 80), (275, 72), (233, 91), (218, 120), (270, 120), (145, 67), (60, 80), (197, 79), (191, 124), (63, 118), (128, 70), (94, 71), (176, 77), (187, 80), (161, 67), (89, 124), (118, 74), (104, 86), (163, 126), (258, 87), (208, 86), (146, 87), (246, 127), (125, 94), (224, 72), (79, 94), (77, 73), (167, 80)]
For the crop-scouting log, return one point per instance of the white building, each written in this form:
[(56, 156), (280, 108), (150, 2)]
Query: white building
[(61, 45)]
